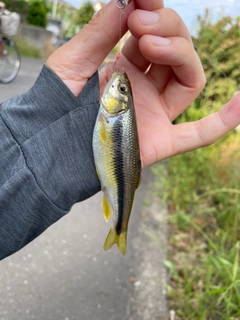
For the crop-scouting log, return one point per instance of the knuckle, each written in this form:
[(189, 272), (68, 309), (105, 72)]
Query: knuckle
[(200, 132), (201, 82), (172, 15)]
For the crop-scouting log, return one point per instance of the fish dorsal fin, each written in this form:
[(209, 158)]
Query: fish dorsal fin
[(139, 174), (107, 209), (139, 180)]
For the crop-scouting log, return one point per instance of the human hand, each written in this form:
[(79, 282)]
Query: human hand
[(174, 80)]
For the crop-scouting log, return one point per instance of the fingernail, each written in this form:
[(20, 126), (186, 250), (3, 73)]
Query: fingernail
[(159, 41), (147, 18)]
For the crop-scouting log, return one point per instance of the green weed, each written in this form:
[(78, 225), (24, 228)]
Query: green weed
[(26, 50), (203, 195), (202, 189)]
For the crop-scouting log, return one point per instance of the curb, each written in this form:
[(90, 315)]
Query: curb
[(149, 301)]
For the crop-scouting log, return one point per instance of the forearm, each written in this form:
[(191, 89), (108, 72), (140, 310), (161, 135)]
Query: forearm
[(46, 160)]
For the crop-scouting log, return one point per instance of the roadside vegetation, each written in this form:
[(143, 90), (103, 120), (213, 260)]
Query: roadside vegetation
[(36, 13), (202, 189), (26, 50)]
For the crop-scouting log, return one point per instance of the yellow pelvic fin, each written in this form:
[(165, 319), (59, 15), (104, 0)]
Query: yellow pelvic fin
[(120, 240), (107, 210), (102, 129), (103, 132)]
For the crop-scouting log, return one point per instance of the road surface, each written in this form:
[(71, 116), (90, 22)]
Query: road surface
[(64, 274)]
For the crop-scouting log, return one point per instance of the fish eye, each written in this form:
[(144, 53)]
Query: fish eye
[(123, 88)]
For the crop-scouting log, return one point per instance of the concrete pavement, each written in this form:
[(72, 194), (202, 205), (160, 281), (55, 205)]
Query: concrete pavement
[(65, 275)]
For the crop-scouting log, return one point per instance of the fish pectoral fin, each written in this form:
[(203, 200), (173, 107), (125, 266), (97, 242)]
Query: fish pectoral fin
[(120, 240), (107, 209)]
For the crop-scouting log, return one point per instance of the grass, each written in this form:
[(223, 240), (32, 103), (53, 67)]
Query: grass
[(203, 194), (26, 50)]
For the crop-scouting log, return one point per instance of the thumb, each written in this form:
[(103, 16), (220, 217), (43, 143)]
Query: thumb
[(77, 60)]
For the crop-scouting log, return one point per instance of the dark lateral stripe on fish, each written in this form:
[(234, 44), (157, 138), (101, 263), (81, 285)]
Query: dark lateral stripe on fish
[(119, 174)]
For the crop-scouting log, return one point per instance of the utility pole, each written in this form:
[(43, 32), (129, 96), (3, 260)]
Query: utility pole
[(54, 8)]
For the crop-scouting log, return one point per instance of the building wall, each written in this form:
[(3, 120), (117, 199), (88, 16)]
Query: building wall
[(37, 37)]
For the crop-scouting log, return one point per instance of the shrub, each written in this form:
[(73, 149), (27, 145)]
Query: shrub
[(37, 13)]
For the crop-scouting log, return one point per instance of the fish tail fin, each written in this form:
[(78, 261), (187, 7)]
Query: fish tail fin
[(120, 240)]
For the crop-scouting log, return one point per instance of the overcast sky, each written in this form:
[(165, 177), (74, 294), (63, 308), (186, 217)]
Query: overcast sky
[(189, 9)]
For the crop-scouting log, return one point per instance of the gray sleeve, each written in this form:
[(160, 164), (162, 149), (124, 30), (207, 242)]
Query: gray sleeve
[(46, 159)]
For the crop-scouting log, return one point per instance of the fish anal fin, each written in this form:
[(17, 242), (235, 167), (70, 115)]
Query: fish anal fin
[(114, 238), (107, 209)]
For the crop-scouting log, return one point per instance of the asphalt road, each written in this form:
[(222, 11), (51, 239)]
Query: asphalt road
[(26, 77), (65, 275)]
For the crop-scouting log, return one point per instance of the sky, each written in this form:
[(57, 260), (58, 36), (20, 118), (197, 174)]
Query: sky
[(189, 9)]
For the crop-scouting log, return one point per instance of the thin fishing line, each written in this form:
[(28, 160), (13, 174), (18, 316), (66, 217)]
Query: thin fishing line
[(120, 31), (120, 5)]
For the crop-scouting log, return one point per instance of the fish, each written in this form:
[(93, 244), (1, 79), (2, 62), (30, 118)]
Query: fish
[(117, 156)]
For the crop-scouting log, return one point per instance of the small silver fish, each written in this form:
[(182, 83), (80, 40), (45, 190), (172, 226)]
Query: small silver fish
[(117, 156)]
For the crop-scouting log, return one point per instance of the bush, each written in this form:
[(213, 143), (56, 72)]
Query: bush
[(218, 46), (85, 14), (37, 13), (202, 191), (19, 6)]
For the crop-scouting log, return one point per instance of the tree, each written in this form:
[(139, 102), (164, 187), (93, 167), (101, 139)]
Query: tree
[(218, 46), (16, 5), (85, 14), (19, 6), (67, 14), (37, 13)]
